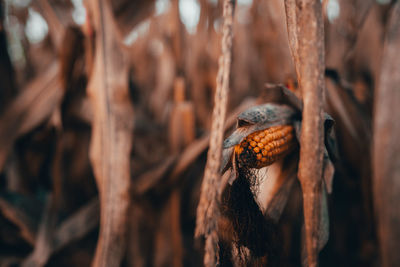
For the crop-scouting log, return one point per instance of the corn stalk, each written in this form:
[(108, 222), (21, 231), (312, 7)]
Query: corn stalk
[(111, 139), (306, 39), (207, 210), (386, 148)]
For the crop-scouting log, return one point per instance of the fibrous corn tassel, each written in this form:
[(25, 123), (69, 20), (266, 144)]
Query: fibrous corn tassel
[(264, 147)]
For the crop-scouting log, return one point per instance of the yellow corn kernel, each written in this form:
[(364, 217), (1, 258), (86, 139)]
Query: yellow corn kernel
[(264, 147), (264, 141), (264, 152)]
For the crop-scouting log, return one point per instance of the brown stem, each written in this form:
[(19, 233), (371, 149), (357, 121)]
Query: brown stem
[(290, 8), (111, 139), (386, 148), (306, 36), (55, 24), (207, 211)]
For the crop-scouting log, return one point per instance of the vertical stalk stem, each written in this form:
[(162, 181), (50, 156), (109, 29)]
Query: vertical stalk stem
[(306, 39), (208, 211)]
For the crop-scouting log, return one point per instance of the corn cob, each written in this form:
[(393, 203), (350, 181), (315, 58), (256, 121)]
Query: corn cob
[(264, 147)]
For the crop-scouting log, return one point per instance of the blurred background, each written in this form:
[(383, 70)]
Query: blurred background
[(171, 48)]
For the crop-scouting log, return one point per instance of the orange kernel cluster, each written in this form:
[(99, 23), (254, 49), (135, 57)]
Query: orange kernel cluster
[(264, 147)]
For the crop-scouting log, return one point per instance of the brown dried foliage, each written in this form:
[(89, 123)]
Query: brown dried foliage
[(103, 147)]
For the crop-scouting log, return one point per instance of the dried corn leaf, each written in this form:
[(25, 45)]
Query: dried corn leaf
[(111, 134), (386, 145), (23, 212), (35, 104)]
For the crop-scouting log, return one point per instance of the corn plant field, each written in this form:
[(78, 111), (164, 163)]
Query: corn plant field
[(199, 133)]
